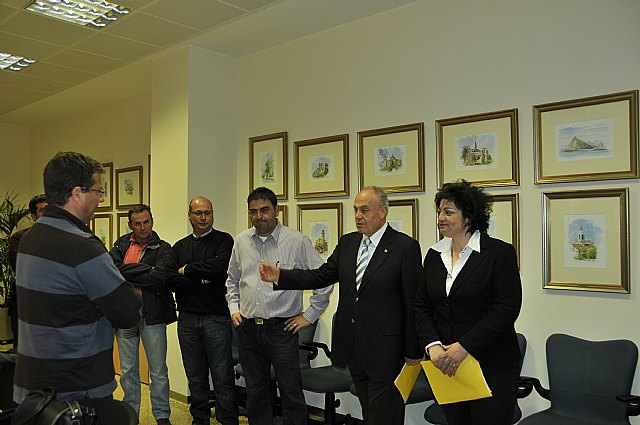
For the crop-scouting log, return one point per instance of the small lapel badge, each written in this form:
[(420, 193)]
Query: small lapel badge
[(386, 250)]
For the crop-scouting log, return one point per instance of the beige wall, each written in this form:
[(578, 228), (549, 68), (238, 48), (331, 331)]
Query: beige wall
[(419, 63), (15, 159)]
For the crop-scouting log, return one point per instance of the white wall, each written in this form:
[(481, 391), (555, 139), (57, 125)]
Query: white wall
[(437, 59)]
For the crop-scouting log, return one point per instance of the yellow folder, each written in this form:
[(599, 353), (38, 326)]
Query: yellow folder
[(467, 384), (407, 379)]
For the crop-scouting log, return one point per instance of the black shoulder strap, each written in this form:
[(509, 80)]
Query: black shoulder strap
[(34, 403)]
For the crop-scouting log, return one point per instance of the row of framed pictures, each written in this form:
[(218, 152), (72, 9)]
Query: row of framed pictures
[(103, 227), (585, 233), (128, 188), (587, 139)]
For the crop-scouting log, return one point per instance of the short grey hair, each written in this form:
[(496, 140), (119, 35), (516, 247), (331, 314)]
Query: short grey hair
[(382, 195)]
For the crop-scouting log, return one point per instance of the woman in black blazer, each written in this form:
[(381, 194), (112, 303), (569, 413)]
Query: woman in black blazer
[(469, 302)]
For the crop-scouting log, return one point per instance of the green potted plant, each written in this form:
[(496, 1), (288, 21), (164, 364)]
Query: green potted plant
[(10, 215)]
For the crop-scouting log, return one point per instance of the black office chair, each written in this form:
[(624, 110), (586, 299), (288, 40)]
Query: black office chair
[(305, 334), (584, 379), (435, 415), (112, 412), (327, 380)]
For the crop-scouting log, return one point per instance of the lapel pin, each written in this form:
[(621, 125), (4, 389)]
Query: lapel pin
[(386, 250)]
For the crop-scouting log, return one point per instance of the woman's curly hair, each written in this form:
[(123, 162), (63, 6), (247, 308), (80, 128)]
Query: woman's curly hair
[(474, 203)]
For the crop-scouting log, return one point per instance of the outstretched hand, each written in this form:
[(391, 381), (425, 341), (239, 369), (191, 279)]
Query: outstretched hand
[(269, 272)]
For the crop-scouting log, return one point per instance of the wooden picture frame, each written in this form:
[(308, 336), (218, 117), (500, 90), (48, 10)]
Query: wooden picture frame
[(102, 228), (322, 223), (392, 158), (403, 216), (129, 187), (123, 224), (107, 186), (594, 138), (504, 223), (268, 163), (586, 240), (322, 167), (481, 148)]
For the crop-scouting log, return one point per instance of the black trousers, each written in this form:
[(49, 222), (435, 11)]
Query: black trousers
[(381, 401)]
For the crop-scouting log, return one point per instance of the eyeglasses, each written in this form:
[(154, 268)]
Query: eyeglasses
[(100, 192), (261, 211), (201, 213)]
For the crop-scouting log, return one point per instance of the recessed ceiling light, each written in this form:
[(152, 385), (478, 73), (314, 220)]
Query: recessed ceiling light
[(14, 63), (93, 14)]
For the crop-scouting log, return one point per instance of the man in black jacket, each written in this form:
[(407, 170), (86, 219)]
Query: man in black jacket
[(204, 326), (142, 257)]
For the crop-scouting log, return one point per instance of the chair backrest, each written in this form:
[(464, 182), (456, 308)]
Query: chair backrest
[(586, 376), (522, 344)]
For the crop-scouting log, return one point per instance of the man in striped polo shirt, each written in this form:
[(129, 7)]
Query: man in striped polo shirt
[(70, 293)]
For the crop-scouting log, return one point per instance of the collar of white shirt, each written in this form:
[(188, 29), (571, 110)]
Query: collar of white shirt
[(444, 244), (376, 237)]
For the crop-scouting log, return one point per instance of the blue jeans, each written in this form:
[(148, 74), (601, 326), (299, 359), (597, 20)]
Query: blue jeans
[(154, 339), (261, 346), (205, 343)]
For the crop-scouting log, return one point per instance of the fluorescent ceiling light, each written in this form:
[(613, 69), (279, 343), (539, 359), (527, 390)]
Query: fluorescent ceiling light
[(90, 13), (14, 63)]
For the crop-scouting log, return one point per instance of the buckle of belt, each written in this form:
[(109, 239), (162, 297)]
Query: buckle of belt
[(259, 321)]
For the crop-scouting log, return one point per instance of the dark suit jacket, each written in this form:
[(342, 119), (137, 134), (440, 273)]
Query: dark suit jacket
[(481, 308), (377, 321)]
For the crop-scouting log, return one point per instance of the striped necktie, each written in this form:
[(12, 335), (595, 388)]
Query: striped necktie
[(363, 261)]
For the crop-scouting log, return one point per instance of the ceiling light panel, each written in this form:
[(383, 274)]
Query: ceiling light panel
[(14, 63), (90, 13)]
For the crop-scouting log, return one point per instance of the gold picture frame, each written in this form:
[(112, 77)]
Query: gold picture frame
[(403, 216), (322, 223), (589, 139), (107, 186), (123, 224), (322, 167), (586, 240), (129, 187), (504, 223), (392, 158), (481, 148), (268, 163), (102, 227)]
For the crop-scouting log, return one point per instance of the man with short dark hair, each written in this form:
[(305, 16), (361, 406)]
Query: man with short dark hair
[(70, 293), (142, 258), (266, 321), (36, 205), (204, 325)]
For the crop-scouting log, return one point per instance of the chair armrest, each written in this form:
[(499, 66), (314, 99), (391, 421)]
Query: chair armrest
[(316, 345), (526, 381), (633, 403), (312, 351), (525, 386)]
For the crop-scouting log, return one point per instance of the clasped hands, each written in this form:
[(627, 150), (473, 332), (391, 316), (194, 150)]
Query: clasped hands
[(447, 358)]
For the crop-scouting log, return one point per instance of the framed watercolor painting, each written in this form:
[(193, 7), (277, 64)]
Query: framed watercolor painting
[(392, 158), (129, 187), (322, 223), (586, 240), (102, 228), (594, 138), (403, 216), (504, 220), (480, 148), (322, 167), (123, 224), (268, 163), (107, 186)]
